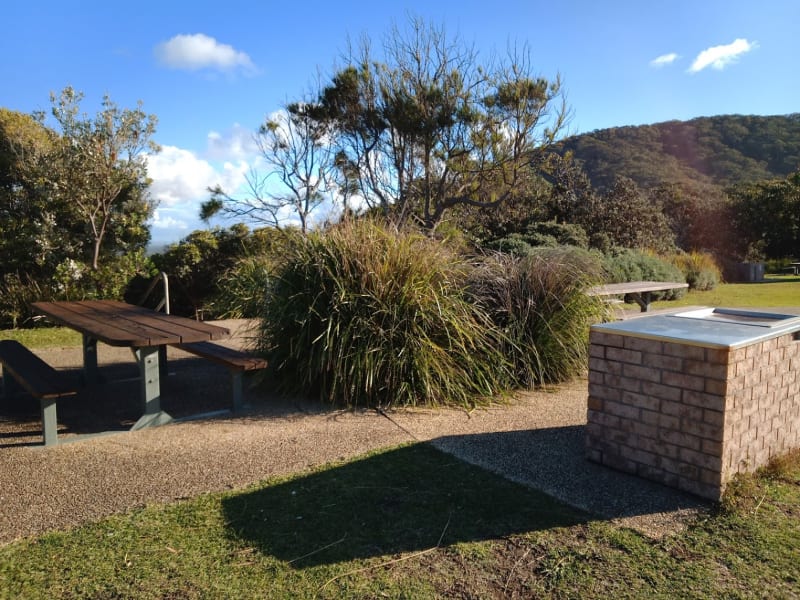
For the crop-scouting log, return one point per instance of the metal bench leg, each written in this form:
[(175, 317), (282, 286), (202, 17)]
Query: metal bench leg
[(238, 402), (49, 421)]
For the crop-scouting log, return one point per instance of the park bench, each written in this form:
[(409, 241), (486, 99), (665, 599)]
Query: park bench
[(236, 362), (23, 367), (640, 291)]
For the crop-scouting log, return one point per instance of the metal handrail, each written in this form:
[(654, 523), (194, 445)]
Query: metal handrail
[(164, 303)]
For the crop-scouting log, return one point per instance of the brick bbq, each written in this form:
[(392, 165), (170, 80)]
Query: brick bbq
[(691, 398)]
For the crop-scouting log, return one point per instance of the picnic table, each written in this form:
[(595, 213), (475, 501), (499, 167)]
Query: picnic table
[(146, 332), (640, 290)]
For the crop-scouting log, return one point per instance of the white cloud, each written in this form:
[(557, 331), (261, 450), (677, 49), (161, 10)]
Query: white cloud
[(719, 57), (180, 182), (162, 221), (664, 60), (236, 143), (180, 177), (199, 51)]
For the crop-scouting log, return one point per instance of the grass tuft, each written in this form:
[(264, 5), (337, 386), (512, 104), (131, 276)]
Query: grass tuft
[(540, 305), (366, 316)]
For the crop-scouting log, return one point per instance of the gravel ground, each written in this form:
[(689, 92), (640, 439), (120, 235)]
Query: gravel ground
[(537, 440)]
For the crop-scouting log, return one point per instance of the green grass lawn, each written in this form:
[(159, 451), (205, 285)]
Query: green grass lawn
[(413, 522), (776, 290)]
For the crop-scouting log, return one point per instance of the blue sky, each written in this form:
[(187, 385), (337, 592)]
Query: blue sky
[(213, 71)]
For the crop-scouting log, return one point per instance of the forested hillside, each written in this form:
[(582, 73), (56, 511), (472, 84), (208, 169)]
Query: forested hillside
[(721, 151)]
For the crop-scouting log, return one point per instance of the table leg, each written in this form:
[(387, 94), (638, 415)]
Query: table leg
[(147, 358), (643, 299), (90, 371)]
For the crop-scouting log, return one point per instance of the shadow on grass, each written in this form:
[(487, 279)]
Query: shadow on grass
[(402, 500)]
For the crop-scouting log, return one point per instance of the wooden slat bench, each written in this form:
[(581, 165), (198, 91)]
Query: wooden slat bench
[(640, 291), (236, 362), (40, 379)]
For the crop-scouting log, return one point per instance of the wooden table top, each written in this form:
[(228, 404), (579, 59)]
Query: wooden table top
[(635, 287), (120, 324)]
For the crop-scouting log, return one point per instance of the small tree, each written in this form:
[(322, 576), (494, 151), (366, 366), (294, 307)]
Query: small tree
[(431, 128), (767, 215), (298, 176), (99, 168)]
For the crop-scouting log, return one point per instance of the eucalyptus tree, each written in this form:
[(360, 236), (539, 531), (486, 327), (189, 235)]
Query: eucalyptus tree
[(99, 168), (29, 237), (429, 127)]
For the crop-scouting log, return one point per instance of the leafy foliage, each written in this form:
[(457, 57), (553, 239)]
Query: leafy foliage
[(431, 128), (73, 203), (99, 169), (357, 317), (767, 215), (625, 264), (699, 269), (197, 262)]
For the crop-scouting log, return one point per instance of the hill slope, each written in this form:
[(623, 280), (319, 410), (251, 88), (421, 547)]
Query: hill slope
[(719, 151)]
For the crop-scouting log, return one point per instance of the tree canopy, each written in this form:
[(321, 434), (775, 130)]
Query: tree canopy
[(73, 201), (429, 127)]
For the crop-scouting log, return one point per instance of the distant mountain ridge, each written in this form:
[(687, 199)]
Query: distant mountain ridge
[(718, 151)]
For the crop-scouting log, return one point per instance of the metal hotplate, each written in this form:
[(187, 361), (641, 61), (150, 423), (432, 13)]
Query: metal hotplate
[(707, 327)]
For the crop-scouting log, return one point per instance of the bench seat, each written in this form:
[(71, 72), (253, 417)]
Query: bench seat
[(39, 379), (237, 363)]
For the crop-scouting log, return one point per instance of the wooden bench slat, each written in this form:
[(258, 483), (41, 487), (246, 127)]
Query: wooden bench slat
[(35, 375), (233, 359)]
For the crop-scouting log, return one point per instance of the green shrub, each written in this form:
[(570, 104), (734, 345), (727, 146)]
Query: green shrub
[(243, 288), (16, 295), (546, 233), (624, 264), (699, 269), (370, 317), (540, 305), (514, 244)]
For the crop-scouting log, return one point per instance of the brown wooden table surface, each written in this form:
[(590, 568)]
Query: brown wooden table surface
[(145, 331), (120, 324)]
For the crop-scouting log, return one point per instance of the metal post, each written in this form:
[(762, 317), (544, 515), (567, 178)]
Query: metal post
[(90, 371), (49, 421), (147, 358)]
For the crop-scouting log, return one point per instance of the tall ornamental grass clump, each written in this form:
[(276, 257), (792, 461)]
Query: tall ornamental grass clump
[(366, 316), (539, 303), (699, 269)]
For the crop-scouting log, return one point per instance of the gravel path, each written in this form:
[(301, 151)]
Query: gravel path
[(536, 440)]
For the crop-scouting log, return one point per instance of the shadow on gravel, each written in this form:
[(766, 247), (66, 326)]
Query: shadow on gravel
[(194, 386), (553, 460), (402, 500)]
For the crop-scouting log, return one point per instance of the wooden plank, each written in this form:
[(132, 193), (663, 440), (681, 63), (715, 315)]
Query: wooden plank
[(172, 326), (120, 324), (35, 375), (83, 316), (225, 356), (156, 328), (635, 287)]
